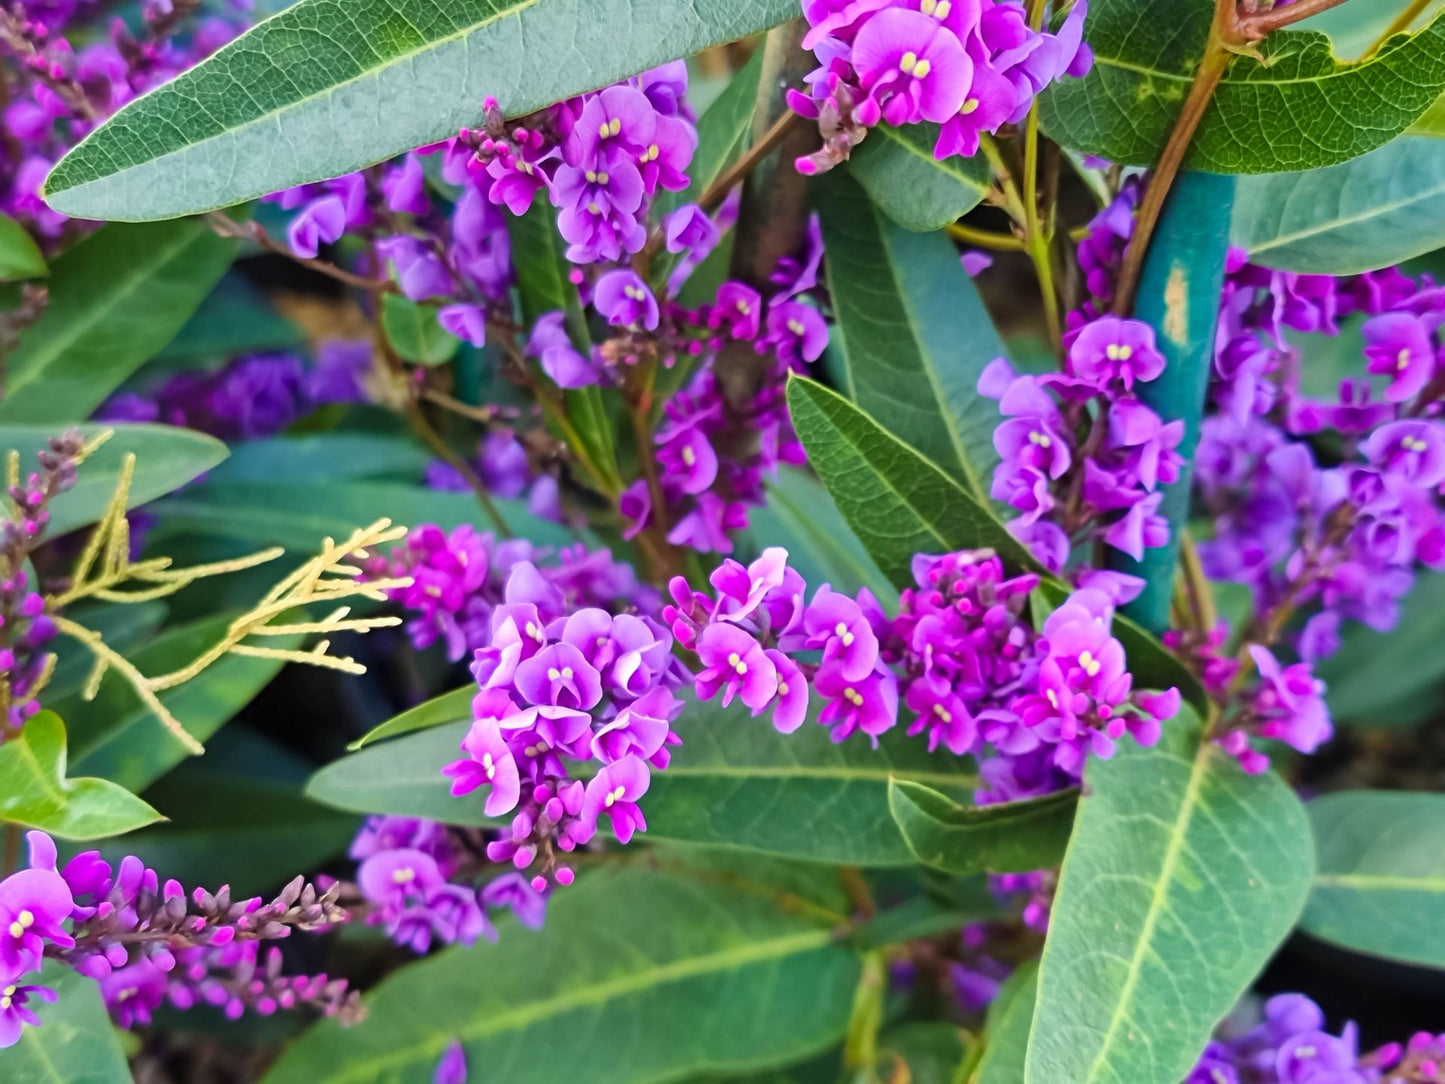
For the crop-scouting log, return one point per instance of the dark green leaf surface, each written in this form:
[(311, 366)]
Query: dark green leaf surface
[(639, 976), (897, 502), (339, 456), (1013, 837), (117, 736), (36, 791), (734, 782), (75, 1044), (1383, 208), (166, 459), (909, 185), (115, 300), (327, 87), (1009, 1018), (1301, 109), (915, 335), (1380, 887), (236, 318), (413, 332), (20, 258), (438, 711), (1182, 877)]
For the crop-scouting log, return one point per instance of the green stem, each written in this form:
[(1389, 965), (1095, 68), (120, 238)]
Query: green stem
[(1400, 24)]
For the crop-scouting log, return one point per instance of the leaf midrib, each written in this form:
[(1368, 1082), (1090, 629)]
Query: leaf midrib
[(945, 166), (1387, 881), (1375, 211), (596, 993)]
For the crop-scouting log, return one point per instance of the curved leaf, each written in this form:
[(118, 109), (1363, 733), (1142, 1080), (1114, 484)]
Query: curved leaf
[(325, 88), (20, 257), (639, 976), (897, 502), (909, 185), (915, 335), (35, 791), (1301, 108), (1009, 1019), (1381, 882), (166, 459), (76, 1042), (413, 332), (1182, 877), (1012, 837), (1377, 210), (734, 782), (115, 300), (438, 711)]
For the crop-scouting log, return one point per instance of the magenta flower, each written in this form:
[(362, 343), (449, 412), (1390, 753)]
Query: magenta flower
[(613, 792), (322, 222), (640, 729), (559, 675), (467, 322), (687, 459), (1400, 345), (1115, 349), (404, 187), (452, 1066), (790, 702), (616, 125), (869, 705), (690, 229), (15, 1013), (739, 309), (624, 299), (33, 904), (835, 623), (942, 715), (912, 67), (740, 591), (1411, 451), (735, 663), (797, 332), (552, 346), (1290, 701), (392, 876), (489, 762), (991, 101)]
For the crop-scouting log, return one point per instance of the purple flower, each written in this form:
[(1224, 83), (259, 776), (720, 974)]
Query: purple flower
[(452, 1068), (688, 460), (514, 891), (797, 332), (1410, 451), (489, 763), (790, 702), (690, 229), (835, 623), (15, 1013), (420, 274), (740, 591), (613, 792), (559, 675), (404, 187), (735, 663), (322, 222), (1290, 702), (615, 125), (552, 346), (869, 705), (912, 67), (625, 301), (33, 904), (1115, 349), (467, 322), (1400, 345)]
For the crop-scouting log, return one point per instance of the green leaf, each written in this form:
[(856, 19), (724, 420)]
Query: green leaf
[(236, 318), (324, 89), (897, 502), (1374, 211), (299, 516), (801, 517), (733, 782), (1009, 1019), (438, 711), (35, 791), (337, 457), (1432, 122), (115, 300), (413, 332), (1182, 877), (915, 335), (934, 1052), (166, 459), (1012, 837), (724, 131), (20, 257), (117, 736), (226, 827), (1301, 108), (909, 185), (639, 976), (1380, 888), (75, 1043)]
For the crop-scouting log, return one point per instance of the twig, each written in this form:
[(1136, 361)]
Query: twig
[(225, 226), (432, 439), (1256, 26), (716, 192), (1400, 24)]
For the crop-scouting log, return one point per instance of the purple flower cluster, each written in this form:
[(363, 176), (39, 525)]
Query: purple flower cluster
[(58, 91), (506, 471), (254, 396), (566, 692), (1289, 1045), (416, 873), (961, 655), (971, 66), (1081, 457), (25, 628), (144, 942), (460, 578)]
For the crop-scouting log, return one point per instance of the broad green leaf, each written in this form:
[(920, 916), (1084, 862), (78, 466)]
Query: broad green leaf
[(934, 1052), (115, 300), (438, 711), (20, 257), (734, 782), (36, 791), (226, 827), (909, 185), (1182, 876), (1013, 837), (413, 332), (1302, 108), (1391, 679), (299, 516), (324, 88), (236, 318), (1007, 1029), (915, 335), (166, 459), (801, 517), (117, 736), (897, 502), (638, 976), (75, 1042), (337, 457), (724, 131), (1374, 211), (1380, 887)]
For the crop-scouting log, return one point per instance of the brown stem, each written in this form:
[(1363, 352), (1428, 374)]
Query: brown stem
[(1211, 69), (1258, 25), (480, 415), (738, 172), (225, 226), (433, 440)]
